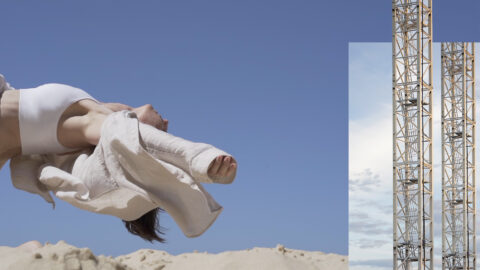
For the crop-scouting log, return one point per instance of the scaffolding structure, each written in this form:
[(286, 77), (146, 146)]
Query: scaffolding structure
[(458, 156), (412, 135)]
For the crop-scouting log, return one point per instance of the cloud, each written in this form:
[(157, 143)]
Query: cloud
[(360, 215), (373, 226), (368, 243), (370, 143), (364, 181), (379, 263)]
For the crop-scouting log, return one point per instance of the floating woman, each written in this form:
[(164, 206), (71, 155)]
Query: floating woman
[(108, 158)]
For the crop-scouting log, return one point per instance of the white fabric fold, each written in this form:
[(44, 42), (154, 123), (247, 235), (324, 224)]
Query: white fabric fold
[(134, 169)]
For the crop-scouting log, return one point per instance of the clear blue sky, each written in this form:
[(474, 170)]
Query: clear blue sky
[(264, 80)]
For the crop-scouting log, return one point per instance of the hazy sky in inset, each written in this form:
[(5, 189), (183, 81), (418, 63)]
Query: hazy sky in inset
[(370, 155)]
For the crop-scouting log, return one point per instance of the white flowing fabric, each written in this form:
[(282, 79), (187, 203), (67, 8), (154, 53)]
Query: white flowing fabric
[(134, 169)]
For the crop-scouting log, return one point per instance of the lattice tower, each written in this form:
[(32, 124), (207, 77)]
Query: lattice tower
[(412, 135)]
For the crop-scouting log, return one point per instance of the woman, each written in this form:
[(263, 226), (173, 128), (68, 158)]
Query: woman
[(56, 118)]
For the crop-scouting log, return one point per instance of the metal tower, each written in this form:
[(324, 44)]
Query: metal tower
[(412, 135), (458, 156)]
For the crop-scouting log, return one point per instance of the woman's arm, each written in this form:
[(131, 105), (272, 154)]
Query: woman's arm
[(84, 131)]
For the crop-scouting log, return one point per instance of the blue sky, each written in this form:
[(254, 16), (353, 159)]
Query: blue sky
[(264, 80), (243, 76)]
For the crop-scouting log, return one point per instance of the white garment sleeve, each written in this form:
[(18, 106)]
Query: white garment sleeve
[(192, 157)]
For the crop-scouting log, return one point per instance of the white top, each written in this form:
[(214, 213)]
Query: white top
[(125, 177), (38, 118)]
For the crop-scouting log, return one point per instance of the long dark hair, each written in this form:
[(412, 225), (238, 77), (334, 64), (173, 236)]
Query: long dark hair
[(147, 226)]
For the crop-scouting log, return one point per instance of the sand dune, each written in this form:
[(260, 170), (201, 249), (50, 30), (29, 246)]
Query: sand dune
[(63, 256)]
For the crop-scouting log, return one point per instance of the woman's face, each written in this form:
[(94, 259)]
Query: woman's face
[(148, 115)]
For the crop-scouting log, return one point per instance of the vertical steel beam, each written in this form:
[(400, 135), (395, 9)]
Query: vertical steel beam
[(412, 134), (458, 156)]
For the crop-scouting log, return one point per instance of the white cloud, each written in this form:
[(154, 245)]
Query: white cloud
[(370, 143), (370, 187)]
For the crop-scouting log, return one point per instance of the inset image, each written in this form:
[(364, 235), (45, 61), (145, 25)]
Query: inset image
[(412, 155)]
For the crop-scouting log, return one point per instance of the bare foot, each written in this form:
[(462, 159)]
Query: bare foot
[(30, 245), (222, 169)]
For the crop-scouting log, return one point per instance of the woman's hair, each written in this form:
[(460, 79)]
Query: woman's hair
[(147, 226)]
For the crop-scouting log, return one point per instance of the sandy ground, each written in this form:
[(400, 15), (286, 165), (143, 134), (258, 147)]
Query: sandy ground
[(62, 256)]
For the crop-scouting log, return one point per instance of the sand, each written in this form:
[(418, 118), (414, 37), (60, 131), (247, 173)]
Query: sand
[(63, 256)]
